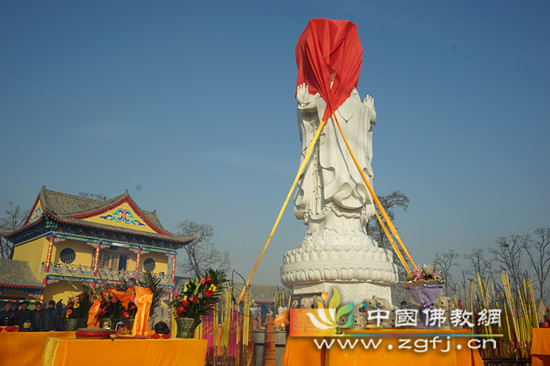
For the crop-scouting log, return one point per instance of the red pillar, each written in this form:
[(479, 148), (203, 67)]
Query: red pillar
[(96, 263), (47, 267), (173, 276), (137, 264)]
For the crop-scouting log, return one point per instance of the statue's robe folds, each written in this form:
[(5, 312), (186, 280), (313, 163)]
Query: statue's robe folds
[(331, 183)]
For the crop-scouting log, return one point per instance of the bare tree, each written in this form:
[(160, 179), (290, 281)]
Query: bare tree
[(201, 253), (538, 251), (508, 255), (14, 217), (445, 261), (478, 264), (374, 229), (390, 202)]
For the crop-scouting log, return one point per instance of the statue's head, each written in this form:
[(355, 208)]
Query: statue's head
[(329, 55)]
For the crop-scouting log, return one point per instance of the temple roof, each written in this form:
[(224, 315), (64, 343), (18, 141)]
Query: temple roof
[(119, 214), (15, 273)]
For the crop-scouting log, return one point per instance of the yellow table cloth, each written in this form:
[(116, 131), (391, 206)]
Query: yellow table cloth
[(25, 348), (121, 352), (303, 350), (540, 346)]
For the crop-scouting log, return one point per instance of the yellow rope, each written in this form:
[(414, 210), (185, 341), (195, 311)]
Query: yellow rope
[(376, 200), (304, 162), (395, 248)]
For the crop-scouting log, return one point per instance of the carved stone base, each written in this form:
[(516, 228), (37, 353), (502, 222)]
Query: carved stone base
[(359, 272), (349, 291)]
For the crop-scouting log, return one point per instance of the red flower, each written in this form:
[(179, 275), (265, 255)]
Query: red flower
[(208, 293), (195, 300), (125, 314), (203, 281), (180, 310), (114, 299), (208, 279), (69, 312)]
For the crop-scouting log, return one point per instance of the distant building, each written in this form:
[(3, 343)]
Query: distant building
[(69, 239)]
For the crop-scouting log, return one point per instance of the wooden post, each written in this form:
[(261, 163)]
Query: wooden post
[(270, 358), (250, 346), (240, 340)]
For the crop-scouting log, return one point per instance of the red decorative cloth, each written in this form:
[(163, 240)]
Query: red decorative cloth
[(329, 50)]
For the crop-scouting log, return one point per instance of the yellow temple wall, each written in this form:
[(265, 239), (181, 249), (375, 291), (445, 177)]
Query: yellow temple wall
[(161, 262), (61, 290), (34, 252), (84, 253)]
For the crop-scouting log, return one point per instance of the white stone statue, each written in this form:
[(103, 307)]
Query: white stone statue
[(332, 197)]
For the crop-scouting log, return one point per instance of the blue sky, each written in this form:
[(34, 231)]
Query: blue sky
[(190, 106)]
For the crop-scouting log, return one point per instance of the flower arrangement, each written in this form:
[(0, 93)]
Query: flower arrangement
[(425, 273), (199, 296), (111, 306), (78, 306)]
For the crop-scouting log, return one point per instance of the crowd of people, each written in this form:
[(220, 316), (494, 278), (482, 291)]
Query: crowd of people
[(39, 319)]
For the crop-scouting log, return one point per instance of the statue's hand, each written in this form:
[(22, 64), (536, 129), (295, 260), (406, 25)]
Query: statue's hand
[(369, 101), (302, 95)]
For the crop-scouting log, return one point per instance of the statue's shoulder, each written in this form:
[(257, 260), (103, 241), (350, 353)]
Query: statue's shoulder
[(351, 105)]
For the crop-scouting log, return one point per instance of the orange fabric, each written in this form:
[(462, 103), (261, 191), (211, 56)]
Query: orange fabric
[(540, 346), (144, 298), (329, 48), (121, 352), (283, 318), (25, 348), (303, 351)]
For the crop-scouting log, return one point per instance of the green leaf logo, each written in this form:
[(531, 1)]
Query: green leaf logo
[(329, 318)]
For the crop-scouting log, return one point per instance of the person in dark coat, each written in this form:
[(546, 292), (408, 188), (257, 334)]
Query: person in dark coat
[(37, 316), (60, 320), (7, 315), (50, 319), (23, 318)]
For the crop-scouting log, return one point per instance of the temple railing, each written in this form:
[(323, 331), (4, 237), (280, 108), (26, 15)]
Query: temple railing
[(107, 274)]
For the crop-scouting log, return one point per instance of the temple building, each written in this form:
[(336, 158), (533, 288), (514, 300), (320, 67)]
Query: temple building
[(67, 240)]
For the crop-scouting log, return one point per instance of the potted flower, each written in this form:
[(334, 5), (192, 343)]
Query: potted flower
[(76, 311), (197, 298), (424, 285), (115, 310), (424, 275)]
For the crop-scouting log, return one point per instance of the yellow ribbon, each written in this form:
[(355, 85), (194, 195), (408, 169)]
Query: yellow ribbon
[(304, 162), (376, 200)]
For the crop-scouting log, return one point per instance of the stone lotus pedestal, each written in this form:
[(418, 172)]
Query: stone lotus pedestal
[(358, 270)]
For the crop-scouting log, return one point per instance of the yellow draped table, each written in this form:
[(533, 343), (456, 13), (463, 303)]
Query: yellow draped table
[(540, 346), (385, 347), (25, 348), (121, 352)]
